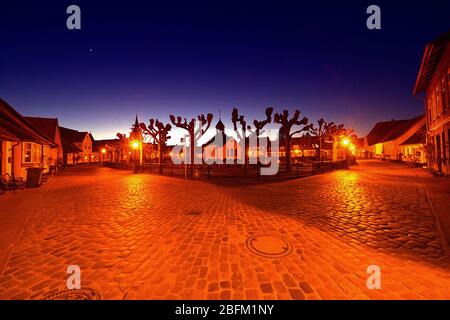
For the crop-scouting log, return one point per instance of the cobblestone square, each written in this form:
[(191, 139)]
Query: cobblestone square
[(141, 236)]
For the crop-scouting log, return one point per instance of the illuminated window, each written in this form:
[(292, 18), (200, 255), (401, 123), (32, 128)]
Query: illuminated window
[(31, 152), (26, 152)]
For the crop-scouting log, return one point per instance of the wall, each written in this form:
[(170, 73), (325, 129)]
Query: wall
[(438, 114)]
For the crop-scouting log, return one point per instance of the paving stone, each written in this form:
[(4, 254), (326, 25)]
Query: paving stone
[(131, 236)]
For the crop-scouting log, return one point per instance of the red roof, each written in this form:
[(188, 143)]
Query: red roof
[(100, 144), (418, 137), (14, 127), (47, 126), (309, 142), (430, 60), (390, 130), (69, 137)]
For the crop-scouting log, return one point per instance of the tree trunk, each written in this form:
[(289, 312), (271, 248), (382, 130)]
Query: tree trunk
[(161, 153), (192, 146), (288, 153), (320, 151), (335, 145)]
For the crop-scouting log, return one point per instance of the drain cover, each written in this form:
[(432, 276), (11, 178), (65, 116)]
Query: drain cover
[(269, 246), (193, 213), (74, 294)]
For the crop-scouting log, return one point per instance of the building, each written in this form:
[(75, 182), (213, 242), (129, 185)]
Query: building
[(433, 85), (306, 147), (53, 157), (77, 147), (221, 147), (399, 140), (107, 150), (22, 145)]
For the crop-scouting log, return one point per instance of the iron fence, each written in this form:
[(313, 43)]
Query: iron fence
[(234, 172)]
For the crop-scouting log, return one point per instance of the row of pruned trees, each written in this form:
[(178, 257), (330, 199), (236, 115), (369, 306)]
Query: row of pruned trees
[(290, 125)]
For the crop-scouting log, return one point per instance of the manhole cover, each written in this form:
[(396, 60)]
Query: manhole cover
[(269, 246), (193, 213), (74, 294)]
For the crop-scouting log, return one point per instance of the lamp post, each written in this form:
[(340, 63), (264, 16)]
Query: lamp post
[(137, 145), (346, 143), (103, 155)]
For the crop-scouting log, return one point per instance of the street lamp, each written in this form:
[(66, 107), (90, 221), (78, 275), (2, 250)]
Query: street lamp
[(138, 145), (103, 155), (346, 143)]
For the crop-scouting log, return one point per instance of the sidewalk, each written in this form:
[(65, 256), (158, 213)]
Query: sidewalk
[(438, 192)]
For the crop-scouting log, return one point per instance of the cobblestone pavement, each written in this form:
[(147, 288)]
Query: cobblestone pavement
[(139, 236)]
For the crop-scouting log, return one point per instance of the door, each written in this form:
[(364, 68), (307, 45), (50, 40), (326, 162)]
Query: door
[(438, 151), (2, 156)]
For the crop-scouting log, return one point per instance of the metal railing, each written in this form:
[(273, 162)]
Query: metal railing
[(235, 172)]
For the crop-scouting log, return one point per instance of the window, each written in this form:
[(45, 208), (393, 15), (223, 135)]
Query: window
[(26, 152), (31, 152), (429, 110), (438, 102), (433, 107), (448, 87), (444, 94), (444, 148)]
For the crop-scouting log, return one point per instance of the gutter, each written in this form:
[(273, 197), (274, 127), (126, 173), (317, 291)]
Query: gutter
[(12, 159)]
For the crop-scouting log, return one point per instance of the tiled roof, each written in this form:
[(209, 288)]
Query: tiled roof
[(72, 136), (417, 138), (69, 137), (430, 60), (308, 142), (225, 139), (16, 128), (99, 144), (390, 130), (45, 125)]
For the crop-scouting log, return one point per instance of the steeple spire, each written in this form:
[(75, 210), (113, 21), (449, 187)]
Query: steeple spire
[(220, 127), (136, 122)]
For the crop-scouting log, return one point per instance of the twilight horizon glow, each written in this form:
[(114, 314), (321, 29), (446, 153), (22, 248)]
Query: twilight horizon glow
[(156, 59)]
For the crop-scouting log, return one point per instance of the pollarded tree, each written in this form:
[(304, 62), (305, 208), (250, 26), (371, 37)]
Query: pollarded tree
[(336, 133), (285, 130), (193, 133), (259, 125), (323, 133), (159, 133), (122, 145), (242, 134)]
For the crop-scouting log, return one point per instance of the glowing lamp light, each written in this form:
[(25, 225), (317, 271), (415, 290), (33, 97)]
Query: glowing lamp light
[(103, 150), (297, 151), (345, 141), (85, 158), (135, 144)]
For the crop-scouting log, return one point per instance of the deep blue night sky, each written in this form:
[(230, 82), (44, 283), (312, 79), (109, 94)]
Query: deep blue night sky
[(189, 57)]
